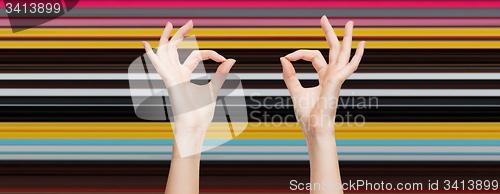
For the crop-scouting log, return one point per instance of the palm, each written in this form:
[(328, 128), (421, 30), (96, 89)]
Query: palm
[(193, 94), (311, 95), (307, 94), (189, 101)]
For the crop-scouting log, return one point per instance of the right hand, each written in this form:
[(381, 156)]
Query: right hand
[(315, 107)]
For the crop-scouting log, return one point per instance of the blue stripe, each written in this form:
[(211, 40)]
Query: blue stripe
[(283, 142), (418, 142)]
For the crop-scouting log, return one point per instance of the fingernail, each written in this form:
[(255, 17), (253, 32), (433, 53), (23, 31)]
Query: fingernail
[(146, 45), (230, 60)]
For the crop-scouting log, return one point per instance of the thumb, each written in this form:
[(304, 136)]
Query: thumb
[(221, 75)]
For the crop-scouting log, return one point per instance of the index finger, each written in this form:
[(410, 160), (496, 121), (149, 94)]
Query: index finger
[(176, 40), (314, 56), (162, 47)]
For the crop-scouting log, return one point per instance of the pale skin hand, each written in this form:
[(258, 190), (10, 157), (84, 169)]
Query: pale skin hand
[(315, 107), (193, 105)]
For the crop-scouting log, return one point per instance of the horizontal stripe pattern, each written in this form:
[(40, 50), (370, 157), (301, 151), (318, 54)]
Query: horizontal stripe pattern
[(458, 74), (254, 44), (252, 76), (282, 12), (343, 150), (259, 22), (68, 122), (415, 141), (278, 3), (256, 157), (252, 142), (250, 92), (150, 33)]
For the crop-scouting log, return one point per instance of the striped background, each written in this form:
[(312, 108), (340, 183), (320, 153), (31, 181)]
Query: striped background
[(68, 124)]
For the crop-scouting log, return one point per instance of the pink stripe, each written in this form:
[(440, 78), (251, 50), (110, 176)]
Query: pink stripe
[(265, 22), (121, 190), (291, 3)]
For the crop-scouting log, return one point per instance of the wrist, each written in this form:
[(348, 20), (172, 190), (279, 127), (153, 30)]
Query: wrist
[(193, 138), (321, 146), (189, 131), (188, 145), (318, 140), (319, 133), (189, 141)]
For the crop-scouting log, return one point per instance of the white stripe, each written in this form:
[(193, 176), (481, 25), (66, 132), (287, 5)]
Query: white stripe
[(257, 92), (252, 76), (270, 157), (246, 149), (241, 105)]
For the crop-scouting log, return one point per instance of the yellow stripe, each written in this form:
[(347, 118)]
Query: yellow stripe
[(251, 32), (250, 127), (298, 135), (253, 131), (249, 44)]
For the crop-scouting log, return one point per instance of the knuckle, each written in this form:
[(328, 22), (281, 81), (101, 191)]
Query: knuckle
[(289, 75), (196, 52), (336, 45), (172, 47), (212, 52)]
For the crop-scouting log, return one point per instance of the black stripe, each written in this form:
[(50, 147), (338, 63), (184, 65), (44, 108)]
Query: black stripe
[(261, 114), (260, 84)]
